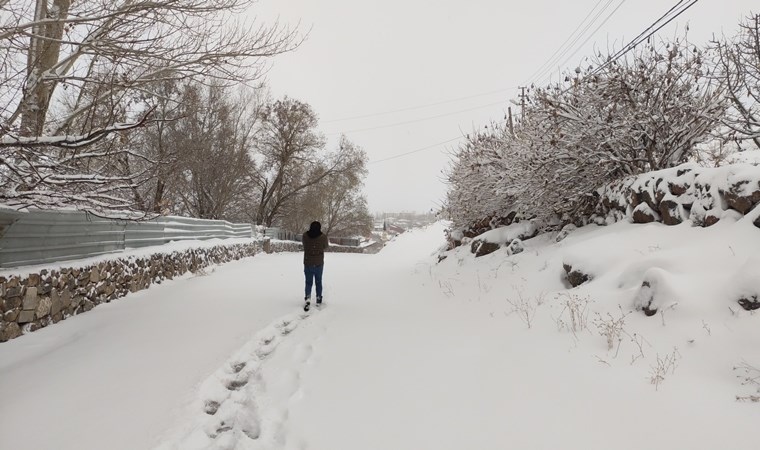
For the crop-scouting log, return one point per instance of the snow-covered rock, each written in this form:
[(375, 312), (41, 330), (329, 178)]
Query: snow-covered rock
[(492, 240), (688, 192)]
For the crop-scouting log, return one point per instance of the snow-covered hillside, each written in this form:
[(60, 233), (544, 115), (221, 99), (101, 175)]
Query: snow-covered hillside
[(484, 353)]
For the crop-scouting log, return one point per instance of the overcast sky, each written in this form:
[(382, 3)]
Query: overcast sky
[(366, 57)]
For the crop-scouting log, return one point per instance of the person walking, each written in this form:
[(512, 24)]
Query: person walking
[(314, 245)]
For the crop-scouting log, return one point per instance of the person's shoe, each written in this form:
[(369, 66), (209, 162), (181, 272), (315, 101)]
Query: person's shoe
[(307, 304), (319, 301)]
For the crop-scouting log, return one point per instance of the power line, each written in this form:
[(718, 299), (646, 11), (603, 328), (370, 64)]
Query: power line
[(428, 147), (411, 108), (625, 49), (551, 58), (416, 120), (416, 150), (547, 65), (641, 38), (633, 42), (644, 35), (593, 33)]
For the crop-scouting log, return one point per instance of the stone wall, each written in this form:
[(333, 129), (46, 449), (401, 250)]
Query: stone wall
[(34, 301), (702, 195), (293, 246)]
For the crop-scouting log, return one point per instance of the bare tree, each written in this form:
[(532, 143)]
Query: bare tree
[(75, 74), (157, 145), (336, 202), (344, 209), (303, 208), (293, 157), (346, 212), (739, 67), (214, 139)]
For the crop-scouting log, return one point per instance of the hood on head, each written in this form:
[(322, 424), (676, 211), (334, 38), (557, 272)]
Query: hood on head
[(315, 229)]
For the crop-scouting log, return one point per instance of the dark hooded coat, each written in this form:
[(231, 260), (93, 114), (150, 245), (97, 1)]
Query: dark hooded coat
[(314, 245)]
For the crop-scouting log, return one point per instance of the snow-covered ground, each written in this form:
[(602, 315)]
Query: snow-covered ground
[(110, 378), (487, 353)]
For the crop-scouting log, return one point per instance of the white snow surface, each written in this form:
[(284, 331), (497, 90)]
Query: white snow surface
[(410, 354)]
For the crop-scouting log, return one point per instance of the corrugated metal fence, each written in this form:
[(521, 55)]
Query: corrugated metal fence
[(282, 234), (39, 237)]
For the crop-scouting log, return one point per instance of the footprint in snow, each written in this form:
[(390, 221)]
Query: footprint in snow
[(303, 353), (228, 396)]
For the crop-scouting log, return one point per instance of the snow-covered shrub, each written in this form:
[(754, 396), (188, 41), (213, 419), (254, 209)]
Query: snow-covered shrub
[(481, 194), (646, 111)]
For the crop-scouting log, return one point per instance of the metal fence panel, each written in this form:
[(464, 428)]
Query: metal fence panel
[(38, 237), (281, 234), (272, 233), (144, 234)]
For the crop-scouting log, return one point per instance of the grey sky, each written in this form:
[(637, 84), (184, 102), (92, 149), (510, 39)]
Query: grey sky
[(368, 57)]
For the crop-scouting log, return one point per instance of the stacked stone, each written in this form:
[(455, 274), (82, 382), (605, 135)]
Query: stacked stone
[(292, 246), (342, 249), (689, 195), (49, 296)]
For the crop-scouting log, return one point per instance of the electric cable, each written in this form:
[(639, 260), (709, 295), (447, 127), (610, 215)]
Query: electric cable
[(548, 67), (411, 108), (422, 119)]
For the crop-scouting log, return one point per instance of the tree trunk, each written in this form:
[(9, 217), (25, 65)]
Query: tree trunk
[(159, 197), (44, 49)]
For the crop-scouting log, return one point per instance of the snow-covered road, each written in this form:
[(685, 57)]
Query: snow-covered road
[(111, 378), (405, 355)]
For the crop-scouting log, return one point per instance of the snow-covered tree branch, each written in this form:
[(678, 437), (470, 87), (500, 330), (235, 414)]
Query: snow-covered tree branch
[(739, 67), (75, 74), (646, 111)]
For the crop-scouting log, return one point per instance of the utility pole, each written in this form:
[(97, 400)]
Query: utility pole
[(511, 126), (522, 101)]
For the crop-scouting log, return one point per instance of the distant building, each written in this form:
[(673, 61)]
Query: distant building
[(392, 228), (347, 241)]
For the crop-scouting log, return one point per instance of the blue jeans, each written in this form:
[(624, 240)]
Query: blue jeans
[(313, 275)]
